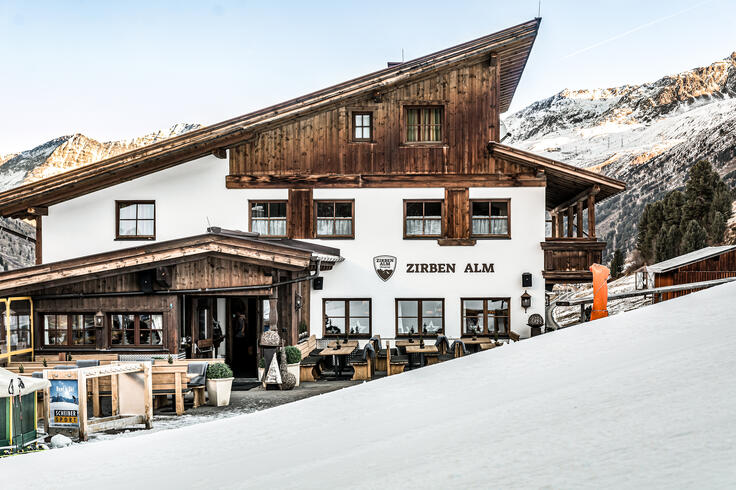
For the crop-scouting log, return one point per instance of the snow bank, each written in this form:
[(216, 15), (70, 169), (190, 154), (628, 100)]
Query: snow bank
[(643, 399)]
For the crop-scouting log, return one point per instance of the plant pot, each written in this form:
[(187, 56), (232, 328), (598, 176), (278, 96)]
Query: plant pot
[(294, 369), (218, 391)]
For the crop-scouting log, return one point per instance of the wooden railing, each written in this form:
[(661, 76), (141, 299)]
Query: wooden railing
[(568, 259)]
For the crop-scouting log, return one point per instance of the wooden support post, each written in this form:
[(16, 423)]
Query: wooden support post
[(96, 397), (560, 225), (114, 401), (580, 219), (178, 397), (82, 397), (582, 313), (388, 358), (39, 239), (570, 221), (591, 216), (148, 394), (553, 216)]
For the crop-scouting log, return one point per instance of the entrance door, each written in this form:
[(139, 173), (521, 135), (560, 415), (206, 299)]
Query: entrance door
[(243, 335)]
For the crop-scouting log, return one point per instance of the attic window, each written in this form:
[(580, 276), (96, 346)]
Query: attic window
[(362, 126), (424, 124), (135, 220)]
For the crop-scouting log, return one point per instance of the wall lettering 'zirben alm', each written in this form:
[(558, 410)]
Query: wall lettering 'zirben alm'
[(385, 265)]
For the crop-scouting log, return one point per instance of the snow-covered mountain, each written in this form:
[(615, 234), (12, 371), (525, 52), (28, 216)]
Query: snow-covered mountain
[(646, 135), (50, 158)]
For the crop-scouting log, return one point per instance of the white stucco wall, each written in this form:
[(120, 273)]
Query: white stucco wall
[(189, 195)]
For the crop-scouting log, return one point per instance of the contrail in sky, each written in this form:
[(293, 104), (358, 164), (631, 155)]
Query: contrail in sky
[(638, 28)]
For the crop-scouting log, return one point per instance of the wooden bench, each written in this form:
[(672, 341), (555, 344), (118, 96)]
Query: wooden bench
[(309, 367), (395, 364)]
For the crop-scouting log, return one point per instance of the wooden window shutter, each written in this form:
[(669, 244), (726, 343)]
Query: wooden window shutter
[(457, 213), (299, 214)]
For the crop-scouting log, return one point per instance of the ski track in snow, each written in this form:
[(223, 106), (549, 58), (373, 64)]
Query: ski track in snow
[(642, 399)]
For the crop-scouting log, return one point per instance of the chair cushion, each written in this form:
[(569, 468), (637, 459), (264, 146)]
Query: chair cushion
[(83, 363), (199, 369)]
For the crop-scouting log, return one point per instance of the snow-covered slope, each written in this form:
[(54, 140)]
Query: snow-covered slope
[(646, 135), (53, 157), (644, 399)]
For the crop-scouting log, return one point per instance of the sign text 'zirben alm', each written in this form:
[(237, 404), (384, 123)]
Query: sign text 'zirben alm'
[(435, 268)]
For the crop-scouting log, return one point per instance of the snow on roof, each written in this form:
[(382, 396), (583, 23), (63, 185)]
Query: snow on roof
[(689, 258), (641, 399)]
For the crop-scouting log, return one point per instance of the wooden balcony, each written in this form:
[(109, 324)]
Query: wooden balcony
[(567, 260)]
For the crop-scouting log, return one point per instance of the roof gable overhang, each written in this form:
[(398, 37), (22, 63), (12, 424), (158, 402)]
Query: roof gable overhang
[(242, 249), (565, 183), (512, 47)]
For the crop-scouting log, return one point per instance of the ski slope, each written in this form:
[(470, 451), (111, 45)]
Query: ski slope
[(643, 399)]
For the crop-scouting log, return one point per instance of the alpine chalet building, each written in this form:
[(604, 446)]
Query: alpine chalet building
[(386, 205)]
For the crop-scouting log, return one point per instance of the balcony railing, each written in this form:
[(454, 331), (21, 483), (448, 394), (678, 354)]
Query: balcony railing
[(567, 260)]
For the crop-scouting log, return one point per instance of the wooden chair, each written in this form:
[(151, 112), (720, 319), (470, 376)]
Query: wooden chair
[(362, 362)]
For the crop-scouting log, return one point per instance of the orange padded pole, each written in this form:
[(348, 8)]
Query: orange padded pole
[(600, 291)]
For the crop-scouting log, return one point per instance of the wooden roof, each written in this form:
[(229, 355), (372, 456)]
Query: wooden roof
[(245, 249), (512, 46), (564, 181), (689, 258)]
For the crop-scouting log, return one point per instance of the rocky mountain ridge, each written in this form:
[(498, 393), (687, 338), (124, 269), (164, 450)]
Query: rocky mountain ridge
[(647, 135), (53, 157)]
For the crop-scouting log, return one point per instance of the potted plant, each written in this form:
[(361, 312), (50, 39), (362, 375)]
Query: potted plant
[(293, 358), (219, 383), (303, 330)]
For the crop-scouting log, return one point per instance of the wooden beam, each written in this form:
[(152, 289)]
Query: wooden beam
[(593, 190), (220, 153), (382, 181), (553, 216), (38, 211), (591, 216), (570, 221)]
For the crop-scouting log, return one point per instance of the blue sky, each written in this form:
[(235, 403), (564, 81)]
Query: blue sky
[(117, 70)]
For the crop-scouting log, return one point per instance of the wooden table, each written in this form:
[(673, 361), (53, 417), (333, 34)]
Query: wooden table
[(475, 342), (415, 348), (340, 354), (333, 343)]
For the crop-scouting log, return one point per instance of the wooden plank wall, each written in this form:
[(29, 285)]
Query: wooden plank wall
[(321, 143), (718, 267)]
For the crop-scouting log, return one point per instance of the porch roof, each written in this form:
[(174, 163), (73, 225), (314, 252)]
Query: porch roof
[(246, 248)]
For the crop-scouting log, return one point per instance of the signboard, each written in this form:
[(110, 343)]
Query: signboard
[(64, 403), (385, 266)]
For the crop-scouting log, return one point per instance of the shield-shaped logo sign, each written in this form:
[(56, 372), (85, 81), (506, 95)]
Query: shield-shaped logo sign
[(385, 266)]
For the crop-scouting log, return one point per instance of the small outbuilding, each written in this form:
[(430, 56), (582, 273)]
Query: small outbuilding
[(706, 264)]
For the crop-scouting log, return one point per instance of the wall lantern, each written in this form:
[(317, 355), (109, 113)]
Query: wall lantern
[(99, 319), (526, 301)]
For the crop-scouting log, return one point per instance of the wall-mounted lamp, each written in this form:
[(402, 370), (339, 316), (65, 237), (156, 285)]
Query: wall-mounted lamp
[(526, 301), (298, 302), (99, 319)]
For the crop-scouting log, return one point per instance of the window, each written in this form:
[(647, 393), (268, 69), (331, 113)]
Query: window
[(422, 219), (69, 329), (353, 313), (268, 218), (362, 126), (335, 219), (20, 325), (490, 218), (415, 315), (136, 329), (485, 316), (423, 124), (136, 220)]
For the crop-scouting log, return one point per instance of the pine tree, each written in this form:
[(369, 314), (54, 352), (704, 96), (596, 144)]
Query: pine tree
[(617, 263), (674, 240), (717, 228), (663, 248), (694, 238)]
